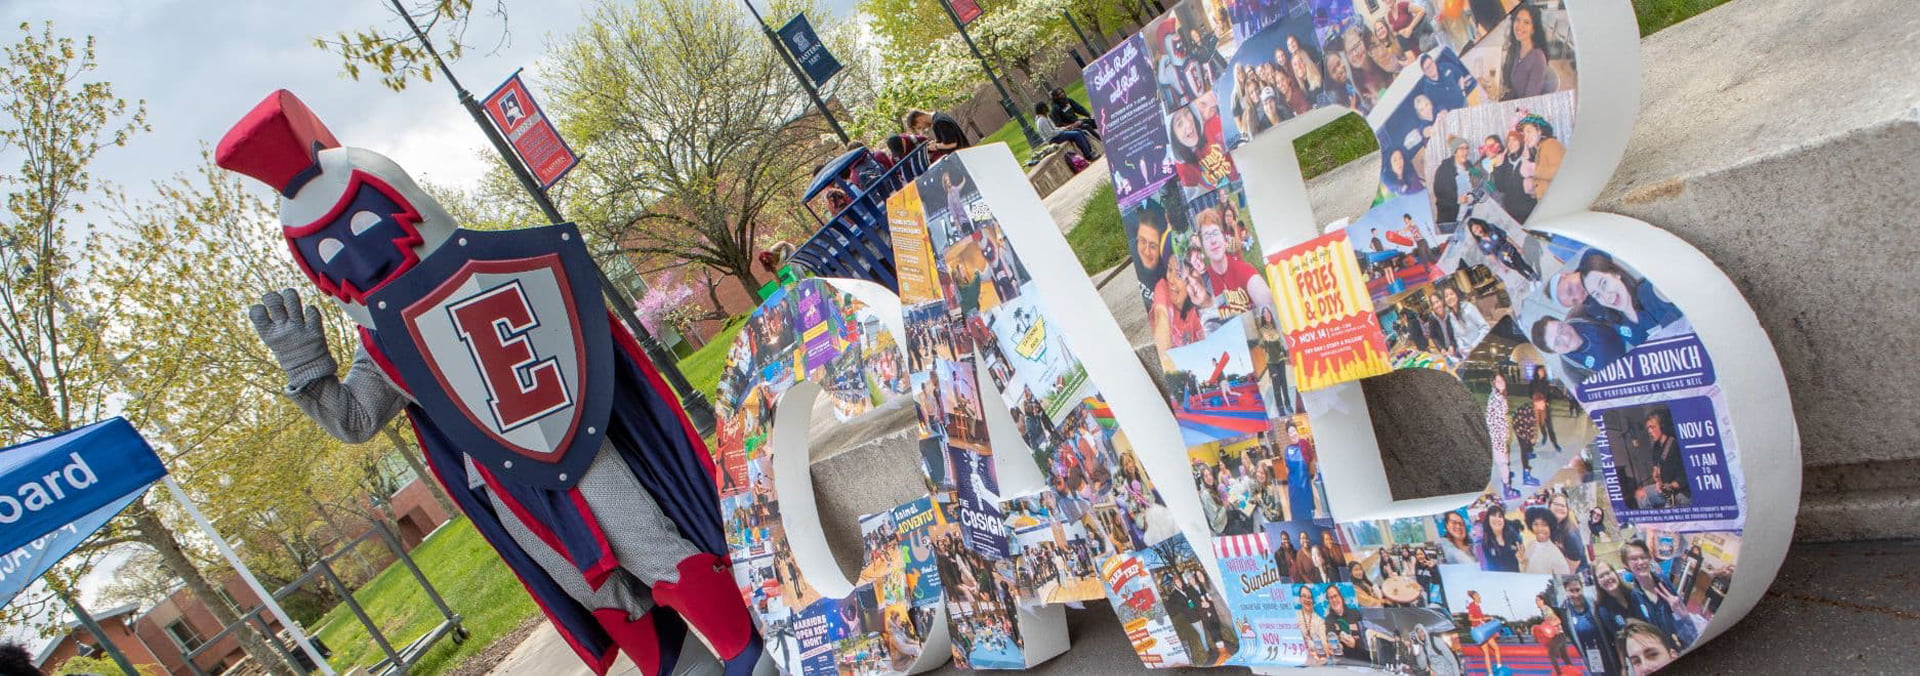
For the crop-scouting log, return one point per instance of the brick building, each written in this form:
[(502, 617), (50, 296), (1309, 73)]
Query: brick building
[(165, 633)]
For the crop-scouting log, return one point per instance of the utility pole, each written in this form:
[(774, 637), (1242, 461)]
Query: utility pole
[(86, 620), (805, 82), (1006, 99), (1092, 52), (699, 411)]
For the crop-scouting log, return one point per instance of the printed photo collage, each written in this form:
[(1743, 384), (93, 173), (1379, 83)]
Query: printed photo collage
[(982, 337), (816, 332), (1609, 439)]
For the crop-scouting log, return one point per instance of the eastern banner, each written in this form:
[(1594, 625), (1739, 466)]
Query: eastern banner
[(805, 46), (519, 118)]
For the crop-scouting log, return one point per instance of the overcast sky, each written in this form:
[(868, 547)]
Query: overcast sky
[(201, 65)]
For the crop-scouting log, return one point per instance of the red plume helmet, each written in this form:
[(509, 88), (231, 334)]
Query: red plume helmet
[(278, 142)]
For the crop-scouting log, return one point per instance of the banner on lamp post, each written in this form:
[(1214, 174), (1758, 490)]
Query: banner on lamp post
[(799, 40), (533, 136), (967, 10)]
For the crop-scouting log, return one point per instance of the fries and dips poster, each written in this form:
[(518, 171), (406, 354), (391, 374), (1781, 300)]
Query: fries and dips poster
[(1332, 333)]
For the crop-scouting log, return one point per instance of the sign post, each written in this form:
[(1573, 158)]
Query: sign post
[(813, 93), (698, 410), (963, 12)]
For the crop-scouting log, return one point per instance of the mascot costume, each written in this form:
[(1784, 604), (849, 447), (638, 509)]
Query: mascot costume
[(538, 413)]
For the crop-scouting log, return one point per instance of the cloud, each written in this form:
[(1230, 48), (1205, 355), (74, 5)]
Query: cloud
[(201, 66)]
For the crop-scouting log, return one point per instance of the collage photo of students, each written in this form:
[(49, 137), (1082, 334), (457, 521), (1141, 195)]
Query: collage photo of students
[(984, 317), (1473, 105)]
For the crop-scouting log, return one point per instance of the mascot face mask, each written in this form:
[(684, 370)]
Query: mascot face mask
[(354, 220), (367, 239)]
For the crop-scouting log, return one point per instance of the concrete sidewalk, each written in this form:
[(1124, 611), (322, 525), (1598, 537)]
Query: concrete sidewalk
[(546, 654)]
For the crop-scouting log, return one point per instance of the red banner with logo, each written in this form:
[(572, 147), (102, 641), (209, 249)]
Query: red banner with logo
[(519, 118), (967, 10)]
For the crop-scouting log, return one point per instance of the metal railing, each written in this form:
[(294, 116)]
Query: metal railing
[(397, 661), (855, 242)]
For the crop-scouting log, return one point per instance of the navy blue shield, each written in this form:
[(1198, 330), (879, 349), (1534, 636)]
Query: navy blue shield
[(505, 344)]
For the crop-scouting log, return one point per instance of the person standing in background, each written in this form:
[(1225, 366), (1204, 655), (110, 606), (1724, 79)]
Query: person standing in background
[(1540, 393), (1500, 432)]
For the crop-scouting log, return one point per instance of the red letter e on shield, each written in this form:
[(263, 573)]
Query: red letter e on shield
[(521, 386)]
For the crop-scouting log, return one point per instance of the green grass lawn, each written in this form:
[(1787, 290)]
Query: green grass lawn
[(1657, 14), (467, 573), (702, 368), (1097, 240)]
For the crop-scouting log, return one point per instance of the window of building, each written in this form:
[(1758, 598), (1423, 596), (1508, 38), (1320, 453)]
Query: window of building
[(184, 634), (391, 474)]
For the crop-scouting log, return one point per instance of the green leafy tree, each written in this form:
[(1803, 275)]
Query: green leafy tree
[(393, 53), (56, 366), (697, 139)]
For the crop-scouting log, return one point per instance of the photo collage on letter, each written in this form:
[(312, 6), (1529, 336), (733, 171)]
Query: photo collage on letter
[(810, 331), (989, 340), (1612, 455)]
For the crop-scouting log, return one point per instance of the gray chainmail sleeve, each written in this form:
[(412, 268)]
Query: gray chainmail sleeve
[(351, 409), (646, 542)]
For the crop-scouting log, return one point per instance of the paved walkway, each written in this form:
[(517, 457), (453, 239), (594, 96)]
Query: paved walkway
[(1067, 200), (544, 653)]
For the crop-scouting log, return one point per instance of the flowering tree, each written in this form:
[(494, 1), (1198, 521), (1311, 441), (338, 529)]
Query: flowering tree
[(665, 293)]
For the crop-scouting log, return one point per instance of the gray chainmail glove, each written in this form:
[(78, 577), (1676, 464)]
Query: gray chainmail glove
[(295, 335)]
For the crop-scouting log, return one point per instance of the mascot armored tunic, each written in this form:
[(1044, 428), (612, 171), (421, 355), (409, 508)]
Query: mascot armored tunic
[(540, 415)]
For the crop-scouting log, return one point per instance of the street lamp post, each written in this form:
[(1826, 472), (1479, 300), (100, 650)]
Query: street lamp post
[(1092, 52), (1006, 99), (806, 83), (699, 411)]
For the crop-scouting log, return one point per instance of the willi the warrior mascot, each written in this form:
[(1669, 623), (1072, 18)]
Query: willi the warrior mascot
[(538, 413)]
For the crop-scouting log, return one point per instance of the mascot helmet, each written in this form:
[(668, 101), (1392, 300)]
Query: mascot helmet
[(353, 219)]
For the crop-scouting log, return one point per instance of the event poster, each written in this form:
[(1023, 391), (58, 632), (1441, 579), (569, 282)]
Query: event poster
[(1130, 590), (912, 251), (1665, 463), (1121, 87), (812, 630), (917, 523), (818, 334), (1332, 333)]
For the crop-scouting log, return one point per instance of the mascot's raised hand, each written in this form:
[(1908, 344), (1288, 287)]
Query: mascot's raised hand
[(295, 334)]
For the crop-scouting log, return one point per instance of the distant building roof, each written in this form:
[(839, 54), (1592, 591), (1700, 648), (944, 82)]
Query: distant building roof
[(46, 651)]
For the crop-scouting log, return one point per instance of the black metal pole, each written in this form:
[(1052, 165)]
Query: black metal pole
[(1006, 99), (1092, 52), (699, 411), (86, 620), (805, 81)]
